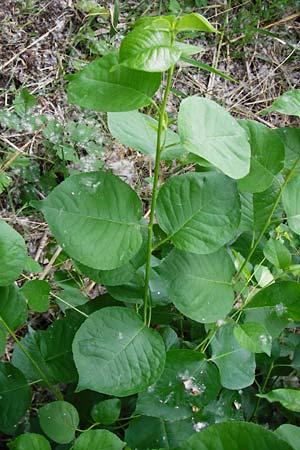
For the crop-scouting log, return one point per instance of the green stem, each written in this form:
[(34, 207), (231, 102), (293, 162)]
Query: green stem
[(263, 389), (55, 392), (159, 148), (291, 172)]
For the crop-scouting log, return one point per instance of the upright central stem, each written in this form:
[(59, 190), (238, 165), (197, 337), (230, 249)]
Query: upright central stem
[(159, 148)]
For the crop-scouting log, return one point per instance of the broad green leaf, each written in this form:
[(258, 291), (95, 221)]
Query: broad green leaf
[(199, 285), (126, 355), (235, 436), (194, 22), (188, 382), (104, 85), (139, 131), (55, 345), (106, 412), (59, 421), (236, 365), (2, 341), (275, 305), (95, 218), (288, 103), (13, 309), (31, 343), (227, 407), (24, 102), (37, 293), (253, 337), (246, 223), (121, 275), (290, 434), (243, 245), (133, 291), (147, 433), (209, 131), (98, 439), (15, 397), (30, 441), (149, 49), (263, 203), (289, 398), (277, 253), (199, 212), (291, 140), (114, 277), (207, 68), (13, 254), (291, 203), (267, 156)]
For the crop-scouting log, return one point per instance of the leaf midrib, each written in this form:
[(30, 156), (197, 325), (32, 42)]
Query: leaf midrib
[(100, 219)]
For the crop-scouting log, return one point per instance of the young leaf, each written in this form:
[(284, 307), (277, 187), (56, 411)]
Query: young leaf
[(24, 102), (289, 398), (277, 253), (236, 365), (188, 380), (267, 156), (194, 22), (149, 49), (253, 337), (126, 355), (37, 294), (199, 285), (59, 421), (32, 266), (13, 254), (98, 439), (199, 212), (209, 131), (164, 23), (187, 49), (138, 131), (147, 433), (13, 307), (288, 103), (70, 296), (290, 434), (235, 436), (106, 412), (95, 218), (104, 85), (291, 203), (30, 441), (15, 397)]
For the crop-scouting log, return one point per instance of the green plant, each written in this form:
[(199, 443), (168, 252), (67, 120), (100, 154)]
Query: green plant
[(198, 331)]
